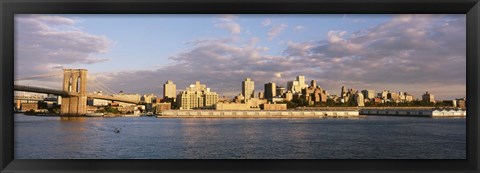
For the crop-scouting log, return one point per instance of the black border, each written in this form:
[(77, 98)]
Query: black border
[(10, 7)]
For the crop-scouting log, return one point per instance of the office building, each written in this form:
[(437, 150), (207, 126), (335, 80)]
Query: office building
[(248, 89)]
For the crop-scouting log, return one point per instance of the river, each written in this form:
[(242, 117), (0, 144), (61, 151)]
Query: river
[(373, 137)]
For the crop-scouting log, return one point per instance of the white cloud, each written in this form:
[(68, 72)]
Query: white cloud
[(299, 28), (266, 22), (276, 30), (228, 22), (46, 43)]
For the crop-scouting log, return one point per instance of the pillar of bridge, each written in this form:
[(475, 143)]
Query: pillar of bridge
[(75, 84)]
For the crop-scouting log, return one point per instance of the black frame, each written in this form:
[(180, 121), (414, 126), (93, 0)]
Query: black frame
[(10, 7)]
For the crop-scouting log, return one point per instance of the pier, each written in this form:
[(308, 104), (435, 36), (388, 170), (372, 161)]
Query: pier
[(414, 112), (257, 114)]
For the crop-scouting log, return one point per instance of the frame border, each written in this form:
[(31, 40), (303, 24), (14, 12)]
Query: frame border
[(10, 7)]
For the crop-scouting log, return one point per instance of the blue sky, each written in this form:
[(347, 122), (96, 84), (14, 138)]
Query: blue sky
[(138, 53), (147, 38)]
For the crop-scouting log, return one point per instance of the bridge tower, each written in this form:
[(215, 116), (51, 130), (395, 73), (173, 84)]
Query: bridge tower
[(75, 83)]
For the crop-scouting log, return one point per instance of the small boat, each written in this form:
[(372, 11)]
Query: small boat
[(94, 115)]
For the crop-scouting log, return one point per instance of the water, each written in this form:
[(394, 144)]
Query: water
[(374, 137)]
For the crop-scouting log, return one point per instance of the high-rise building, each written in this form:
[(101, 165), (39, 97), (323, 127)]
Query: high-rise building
[(270, 90), (428, 97), (248, 89), (280, 91), (297, 85), (169, 90), (261, 95), (383, 94), (368, 94), (197, 96), (360, 99)]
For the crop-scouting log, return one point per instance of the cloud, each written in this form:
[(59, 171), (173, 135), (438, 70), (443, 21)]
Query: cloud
[(276, 30), (228, 22), (46, 43), (266, 22), (298, 28), (407, 53), (411, 52)]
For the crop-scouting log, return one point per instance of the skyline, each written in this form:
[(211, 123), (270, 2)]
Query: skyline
[(380, 52)]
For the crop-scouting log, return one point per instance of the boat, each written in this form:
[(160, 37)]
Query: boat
[(94, 115)]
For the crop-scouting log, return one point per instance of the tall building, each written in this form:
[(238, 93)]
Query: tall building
[(169, 90), (359, 99), (280, 91), (428, 97), (383, 94), (261, 95), (314, 94), (297, 85), (368, 94), (270, 90), (197, 96), (248, 89)]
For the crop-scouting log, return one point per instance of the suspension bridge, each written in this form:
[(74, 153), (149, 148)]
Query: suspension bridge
[(74, 92)]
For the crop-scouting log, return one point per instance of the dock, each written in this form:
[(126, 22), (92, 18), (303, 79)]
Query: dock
[(257, 114), (414, 112)]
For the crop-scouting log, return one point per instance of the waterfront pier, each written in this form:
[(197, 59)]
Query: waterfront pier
[(257, 114)]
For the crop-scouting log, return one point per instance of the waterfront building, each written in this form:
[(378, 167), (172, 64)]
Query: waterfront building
[(359, 99), (239, 98), (274, 107), (297, 85), (148, 98), (461, 103), (288, 96), (280, 91), (159, 107), (197, 96), (428, 97), (384, 94), (368, 94), (393, 96), (314, 94), (248, 89), (261, 95), (169, 90), (270, 91)]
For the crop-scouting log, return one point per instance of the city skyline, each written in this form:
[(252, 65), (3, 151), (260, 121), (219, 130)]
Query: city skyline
[(379, 52)]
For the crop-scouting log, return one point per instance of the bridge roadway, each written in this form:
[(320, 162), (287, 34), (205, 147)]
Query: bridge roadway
[(64, 93)]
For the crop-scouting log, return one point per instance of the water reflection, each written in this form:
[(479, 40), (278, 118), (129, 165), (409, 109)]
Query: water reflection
[(210, 138)]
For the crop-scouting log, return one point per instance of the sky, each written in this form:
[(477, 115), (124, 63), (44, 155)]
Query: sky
[(412, 53)]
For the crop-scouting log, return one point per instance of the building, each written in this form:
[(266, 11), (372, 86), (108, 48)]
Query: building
[(159, 107), (248, 88), (148, 98), (197, 96), (428, 97), (169, 90), (368, 94), (280, 91), (270, 91), (359, 99), (289, 96), (274, 107), (314, 94), (297, 85), (261, 95), (393, 96), (384, 94)]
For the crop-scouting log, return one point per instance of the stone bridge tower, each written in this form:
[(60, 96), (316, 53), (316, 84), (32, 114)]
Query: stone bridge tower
[(75, 83)]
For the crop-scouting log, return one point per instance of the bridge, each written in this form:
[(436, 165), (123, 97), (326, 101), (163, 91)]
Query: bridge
[(74, 94)]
